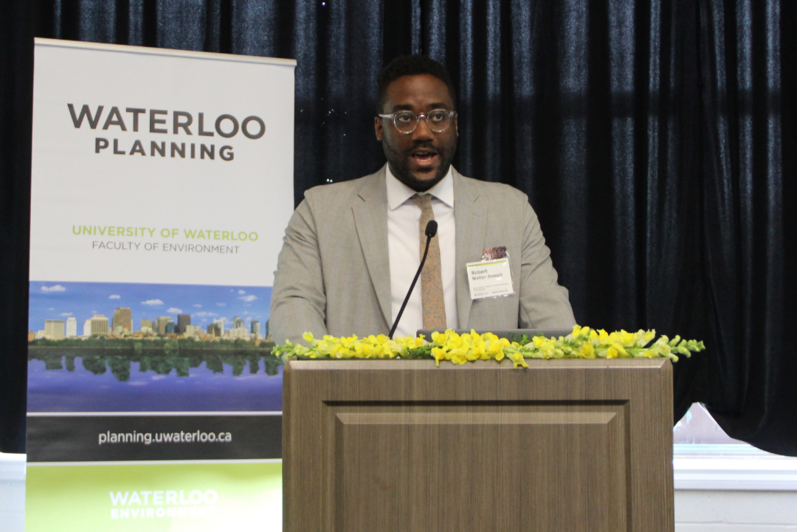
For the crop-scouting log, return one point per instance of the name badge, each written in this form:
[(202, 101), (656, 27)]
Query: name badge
[(489, 278)]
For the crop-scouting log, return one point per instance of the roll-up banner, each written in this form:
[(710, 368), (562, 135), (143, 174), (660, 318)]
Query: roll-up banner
[(162, 182)]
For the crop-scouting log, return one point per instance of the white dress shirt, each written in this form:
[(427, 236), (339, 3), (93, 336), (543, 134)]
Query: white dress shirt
[(404, 241)]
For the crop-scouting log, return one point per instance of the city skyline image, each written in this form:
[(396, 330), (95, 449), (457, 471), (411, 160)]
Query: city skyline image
[(82, 307), (83, 358)]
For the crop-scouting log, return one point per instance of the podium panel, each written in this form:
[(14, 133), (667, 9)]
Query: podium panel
[(406, 446)]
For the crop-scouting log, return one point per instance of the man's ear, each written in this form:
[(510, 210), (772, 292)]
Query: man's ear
[(378, 128), (456, 124)]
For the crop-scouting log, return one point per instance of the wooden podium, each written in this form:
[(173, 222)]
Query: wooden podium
[(402, 445)]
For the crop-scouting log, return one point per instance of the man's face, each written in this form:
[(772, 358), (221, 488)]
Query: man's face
[(419, 159)]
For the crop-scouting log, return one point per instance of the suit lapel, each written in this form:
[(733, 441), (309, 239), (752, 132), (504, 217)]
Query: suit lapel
[(471, 229), (370, 219)]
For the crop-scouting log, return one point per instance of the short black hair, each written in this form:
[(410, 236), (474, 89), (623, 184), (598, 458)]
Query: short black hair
[(411, 65)]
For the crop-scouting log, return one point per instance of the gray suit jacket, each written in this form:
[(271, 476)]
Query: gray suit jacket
[(333, 273)]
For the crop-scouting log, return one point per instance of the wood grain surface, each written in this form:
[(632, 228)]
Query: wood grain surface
[(402, 445)]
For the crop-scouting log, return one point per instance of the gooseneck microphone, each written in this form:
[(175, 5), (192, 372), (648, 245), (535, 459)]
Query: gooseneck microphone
[(431, 230)]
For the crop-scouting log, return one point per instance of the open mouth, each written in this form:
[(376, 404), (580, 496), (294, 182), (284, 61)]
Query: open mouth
[(423, 157)]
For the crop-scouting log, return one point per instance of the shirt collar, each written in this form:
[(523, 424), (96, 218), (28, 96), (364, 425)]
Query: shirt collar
[(398, 192)]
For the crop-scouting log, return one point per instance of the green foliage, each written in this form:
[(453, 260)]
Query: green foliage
[(418, 352), (94, 364), (524, 339), (162, 361), (120, 367), (152, 344), (54, 363), (272, 365)]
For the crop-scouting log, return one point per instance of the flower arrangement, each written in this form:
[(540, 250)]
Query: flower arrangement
[(583, 342)]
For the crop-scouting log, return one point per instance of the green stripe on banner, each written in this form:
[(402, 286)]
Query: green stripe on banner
[(200, 497)]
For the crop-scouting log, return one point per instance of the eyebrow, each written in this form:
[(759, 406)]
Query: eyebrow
[(408, 107)]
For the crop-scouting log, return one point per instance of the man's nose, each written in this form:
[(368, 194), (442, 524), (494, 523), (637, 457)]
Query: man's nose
[(422, 131)]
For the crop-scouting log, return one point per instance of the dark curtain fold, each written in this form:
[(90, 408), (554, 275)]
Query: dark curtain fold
[(744, 167), (16, 100), (650, 135)]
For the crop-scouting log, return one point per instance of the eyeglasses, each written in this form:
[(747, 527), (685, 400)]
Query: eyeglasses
[(406, 122)]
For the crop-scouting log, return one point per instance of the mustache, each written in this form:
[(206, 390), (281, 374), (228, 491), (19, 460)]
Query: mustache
[(427, 145)]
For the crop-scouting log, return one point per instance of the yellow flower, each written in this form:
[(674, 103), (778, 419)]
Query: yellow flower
[(324, 347), (338, 351), (385, 351), (583, 342), (647, 336), (495, 350), (362, 350), (489, 337), (458, 356), (546, 347), (517, 360), (626, 338), (454, 341), (480, 351), (580, 332), (300, 350), (586, 351)]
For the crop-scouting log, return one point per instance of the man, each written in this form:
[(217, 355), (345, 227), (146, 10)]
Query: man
[(351, 249)]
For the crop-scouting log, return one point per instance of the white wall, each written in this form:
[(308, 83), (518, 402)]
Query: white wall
[(733, 488), (12, 492), (735, 511)]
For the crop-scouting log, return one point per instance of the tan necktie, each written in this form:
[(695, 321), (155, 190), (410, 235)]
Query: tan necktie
[(434, 307)]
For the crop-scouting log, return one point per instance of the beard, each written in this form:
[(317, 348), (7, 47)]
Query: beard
[(400, 164)]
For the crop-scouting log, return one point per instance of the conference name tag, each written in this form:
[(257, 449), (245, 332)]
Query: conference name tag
[(489, 278)]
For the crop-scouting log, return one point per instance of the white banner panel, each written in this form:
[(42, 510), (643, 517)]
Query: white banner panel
[(159, 166), (162, 183)]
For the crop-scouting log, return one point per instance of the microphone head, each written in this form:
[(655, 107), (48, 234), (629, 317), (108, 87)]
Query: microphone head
[(431, 229)]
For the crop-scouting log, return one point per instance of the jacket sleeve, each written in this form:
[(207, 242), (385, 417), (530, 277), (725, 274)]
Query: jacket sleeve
[(544, 304), (298, 299)]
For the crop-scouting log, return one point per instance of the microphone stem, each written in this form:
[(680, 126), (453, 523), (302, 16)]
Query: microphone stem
[(412, 287)]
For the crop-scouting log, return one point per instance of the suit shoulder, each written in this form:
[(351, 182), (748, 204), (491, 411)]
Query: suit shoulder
[(495, 190), (338, 191)]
